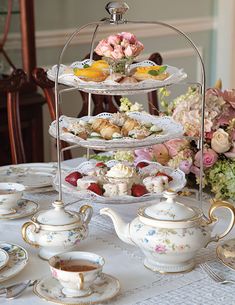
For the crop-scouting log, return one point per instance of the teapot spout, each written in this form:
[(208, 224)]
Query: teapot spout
[(121, 228)]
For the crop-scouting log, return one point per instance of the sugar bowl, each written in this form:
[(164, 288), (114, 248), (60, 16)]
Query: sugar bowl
[(57, 230)]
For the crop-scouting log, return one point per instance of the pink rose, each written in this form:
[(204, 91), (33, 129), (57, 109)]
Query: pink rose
[(209, 158), (231, 154), (226, 117), (176, 145), (185, 166), (117, 52), (229, 96), (129, 36), (104, 49), (114, 39), (160, 154)]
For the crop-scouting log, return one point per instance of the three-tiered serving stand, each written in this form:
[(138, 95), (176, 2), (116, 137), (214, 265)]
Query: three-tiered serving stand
[(116, 11)]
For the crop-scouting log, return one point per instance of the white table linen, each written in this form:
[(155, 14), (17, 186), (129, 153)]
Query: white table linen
[(139, 286)]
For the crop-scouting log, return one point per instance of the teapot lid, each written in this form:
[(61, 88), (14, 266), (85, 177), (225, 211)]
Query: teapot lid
[(169, 210), (57, 216)]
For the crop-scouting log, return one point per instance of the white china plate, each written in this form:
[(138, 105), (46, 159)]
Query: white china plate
[(31, 175), (104, 289), (18, 259), (111, 87), (25, 208), (228, 259), (4, 258), (176, 184), (171, 129)]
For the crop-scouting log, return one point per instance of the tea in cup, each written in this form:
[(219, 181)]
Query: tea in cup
[(76, 271), (10, 193)]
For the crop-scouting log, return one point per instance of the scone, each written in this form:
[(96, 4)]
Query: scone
[(90, 74), (151, 72), (99, 124), (108, 131)]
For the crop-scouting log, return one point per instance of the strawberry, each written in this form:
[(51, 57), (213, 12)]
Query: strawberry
[(100, 164), (142, 164), (73, 177), (163, 174), (138, 190), (94, 187)]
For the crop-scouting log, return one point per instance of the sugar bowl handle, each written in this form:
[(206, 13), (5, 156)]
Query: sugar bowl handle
[(24, 233), (221, 204), (86, 211)]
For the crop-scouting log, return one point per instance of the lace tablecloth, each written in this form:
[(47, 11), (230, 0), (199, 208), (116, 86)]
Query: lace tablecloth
[(139, 286)]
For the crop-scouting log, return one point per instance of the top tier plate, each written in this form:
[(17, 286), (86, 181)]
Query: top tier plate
[(113, 88)]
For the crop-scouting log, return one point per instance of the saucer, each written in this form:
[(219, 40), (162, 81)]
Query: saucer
[(226, 253), (4, 258), (18, 258), (25, 208), (104, 289)]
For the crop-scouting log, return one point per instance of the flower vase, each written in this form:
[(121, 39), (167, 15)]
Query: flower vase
[(121, 66)]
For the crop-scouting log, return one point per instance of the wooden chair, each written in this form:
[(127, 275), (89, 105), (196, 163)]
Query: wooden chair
[(102, 103), (11, 87)]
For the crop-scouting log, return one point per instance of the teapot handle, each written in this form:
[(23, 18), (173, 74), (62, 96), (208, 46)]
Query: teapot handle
[(86, 211), (24, 234), (221, 204)]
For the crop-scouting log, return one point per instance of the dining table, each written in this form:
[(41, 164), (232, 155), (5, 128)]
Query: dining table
[(139, 286)]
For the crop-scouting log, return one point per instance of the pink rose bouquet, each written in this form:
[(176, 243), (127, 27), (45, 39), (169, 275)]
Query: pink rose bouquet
[(219, 150), (119, 49)]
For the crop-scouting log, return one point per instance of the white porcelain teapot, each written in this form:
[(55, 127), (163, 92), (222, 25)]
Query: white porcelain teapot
[(170, 233), (57, 230)]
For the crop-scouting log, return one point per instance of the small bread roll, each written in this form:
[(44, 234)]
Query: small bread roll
[(109, 130), (142, 73), (129, 125), (99, 124)]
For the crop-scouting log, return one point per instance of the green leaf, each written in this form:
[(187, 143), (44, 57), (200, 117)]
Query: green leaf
[(86, 66), (157, 72)]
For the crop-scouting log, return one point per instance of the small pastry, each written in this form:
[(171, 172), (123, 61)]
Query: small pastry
[(90, 74), (115, 77), (101, 65), (156, 184), (151, 72), (119, 189), (155, 129), (129, 125), (118, 119), (99, 124), (108, 131), (128, 80), (78, 130), (84, 182), (139, 133)]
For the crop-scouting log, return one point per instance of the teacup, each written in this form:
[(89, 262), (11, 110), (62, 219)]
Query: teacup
[(76, 271), (10, 193)]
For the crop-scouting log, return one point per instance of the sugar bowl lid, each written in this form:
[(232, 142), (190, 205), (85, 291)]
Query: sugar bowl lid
[(57, 216), (169, 211)]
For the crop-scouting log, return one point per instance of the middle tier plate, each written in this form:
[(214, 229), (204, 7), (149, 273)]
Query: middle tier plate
[(86, 168), (170, 130)]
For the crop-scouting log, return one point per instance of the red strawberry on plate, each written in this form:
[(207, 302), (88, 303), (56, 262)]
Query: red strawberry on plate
[(100, 164), (138, 190), (73, 177), (94, 187), (163, 174), (142, 164)]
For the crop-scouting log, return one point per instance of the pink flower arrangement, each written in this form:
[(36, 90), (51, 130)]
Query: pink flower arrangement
[(119, 46), (219, 150)]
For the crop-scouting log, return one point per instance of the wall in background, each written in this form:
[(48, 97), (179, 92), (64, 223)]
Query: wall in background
[(56, 19)]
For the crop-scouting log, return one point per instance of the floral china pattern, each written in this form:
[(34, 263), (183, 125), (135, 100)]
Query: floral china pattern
[(24, 208), (105, 288), (165, 240), (18, 259), (55, 238)]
